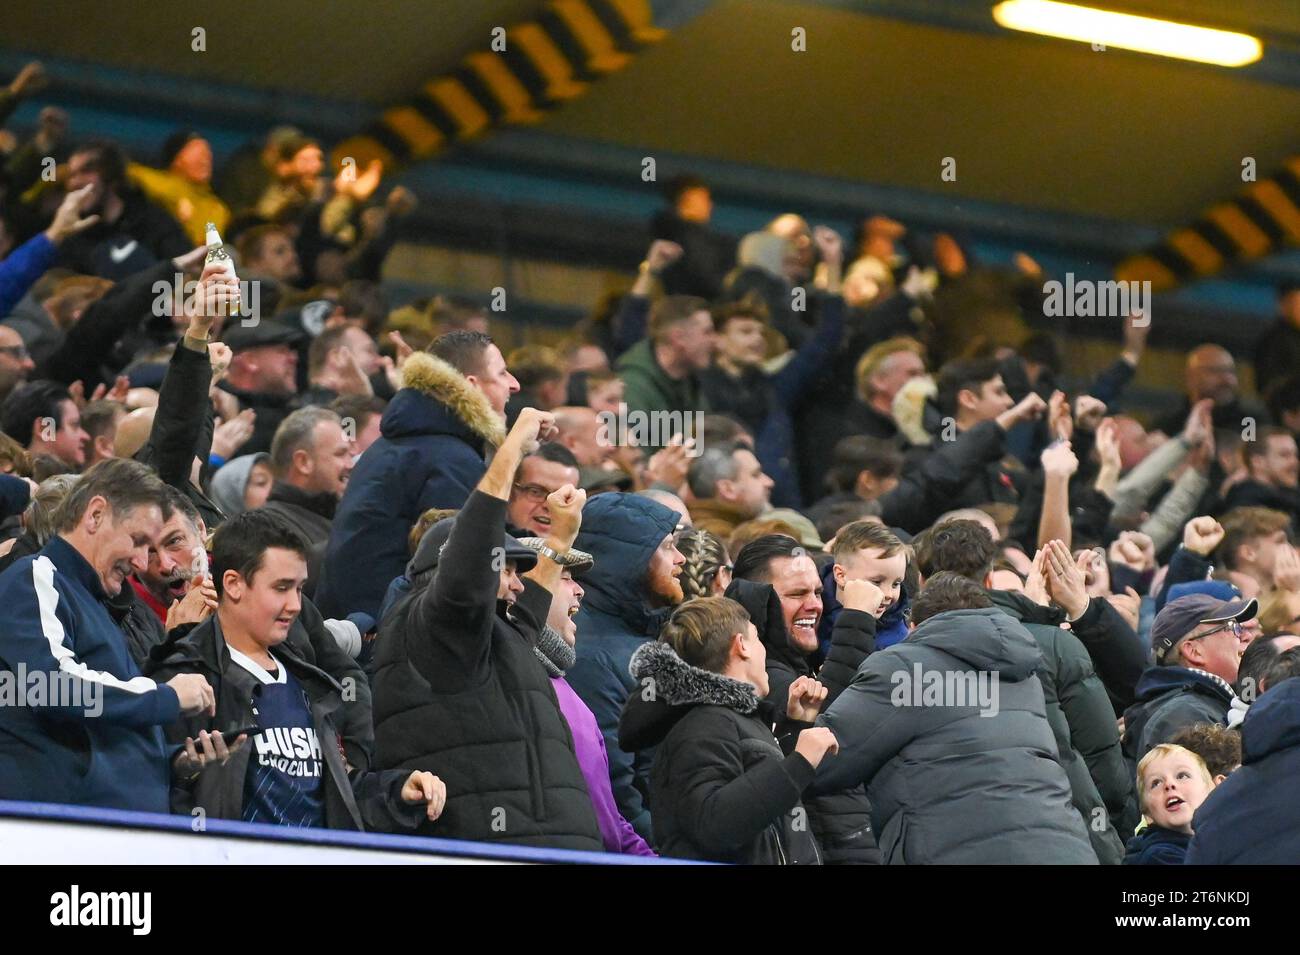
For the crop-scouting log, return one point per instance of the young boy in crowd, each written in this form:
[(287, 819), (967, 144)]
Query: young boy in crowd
[(1172, 783), (721, 786), (867, 550), (278, 760)]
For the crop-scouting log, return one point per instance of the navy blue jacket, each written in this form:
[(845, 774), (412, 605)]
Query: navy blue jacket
[(103, 744), (15, 493), (1156, 845), (890, 629), (430, 455), (1253, 816), (621, 531), (1170, 698)]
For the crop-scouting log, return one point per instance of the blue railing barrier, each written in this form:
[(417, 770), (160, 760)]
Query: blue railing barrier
[(52, 833)]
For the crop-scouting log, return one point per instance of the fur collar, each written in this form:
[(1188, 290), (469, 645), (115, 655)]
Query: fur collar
[(678, 683), (432, 376)]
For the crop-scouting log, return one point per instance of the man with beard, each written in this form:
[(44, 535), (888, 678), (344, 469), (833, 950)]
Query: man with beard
[(630, 591), (174, 590), (132, 233), (1211, 372)]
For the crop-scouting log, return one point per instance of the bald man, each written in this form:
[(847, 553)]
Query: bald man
[(580, 431), (1211, 372), (795, 228)]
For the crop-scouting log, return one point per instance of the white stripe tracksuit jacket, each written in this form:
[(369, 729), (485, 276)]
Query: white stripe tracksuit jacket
[(86, 727)]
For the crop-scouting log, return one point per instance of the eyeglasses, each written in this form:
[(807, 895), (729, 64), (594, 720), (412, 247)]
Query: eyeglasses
[(1233, 625), (534, 492), (16, 352)]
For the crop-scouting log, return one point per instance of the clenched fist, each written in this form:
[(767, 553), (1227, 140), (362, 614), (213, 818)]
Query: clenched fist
[(1202, 535), (806, 699), (531, 429), (813, 744), (565, 509), (858, 594)]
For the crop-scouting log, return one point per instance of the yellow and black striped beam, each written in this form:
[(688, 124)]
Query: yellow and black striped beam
[(546, 61), (1263, 218)]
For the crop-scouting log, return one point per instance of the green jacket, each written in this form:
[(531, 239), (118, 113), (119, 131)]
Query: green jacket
[(649, 389), (1083, 722)]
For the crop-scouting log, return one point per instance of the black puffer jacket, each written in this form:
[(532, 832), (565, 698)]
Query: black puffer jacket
[(1083, 723), (182, 428), (1118, 654), (952, 780), (459, 692), (721, 786), (840, 821)]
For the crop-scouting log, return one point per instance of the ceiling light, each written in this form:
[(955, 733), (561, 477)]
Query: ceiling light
[(1106, 28)]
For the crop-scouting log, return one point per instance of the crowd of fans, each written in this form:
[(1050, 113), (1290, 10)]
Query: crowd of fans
[(799, 551)]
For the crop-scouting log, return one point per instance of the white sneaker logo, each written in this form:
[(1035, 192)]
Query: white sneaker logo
[(121, 255)]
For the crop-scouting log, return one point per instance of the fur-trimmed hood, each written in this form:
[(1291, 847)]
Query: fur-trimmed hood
[(669, 688), (429, 381)]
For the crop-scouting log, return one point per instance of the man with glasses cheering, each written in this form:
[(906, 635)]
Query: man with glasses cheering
[(1197, 646), (543, 472)]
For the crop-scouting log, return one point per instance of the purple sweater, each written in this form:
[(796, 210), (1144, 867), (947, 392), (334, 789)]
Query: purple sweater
[(589, 744)]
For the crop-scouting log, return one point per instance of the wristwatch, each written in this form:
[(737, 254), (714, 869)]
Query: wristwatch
[(554, 555)]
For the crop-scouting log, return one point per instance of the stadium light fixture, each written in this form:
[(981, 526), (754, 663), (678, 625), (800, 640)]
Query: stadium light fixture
[(1106, 28)]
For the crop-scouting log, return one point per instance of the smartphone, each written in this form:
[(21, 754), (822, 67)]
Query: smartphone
[(229, 735)]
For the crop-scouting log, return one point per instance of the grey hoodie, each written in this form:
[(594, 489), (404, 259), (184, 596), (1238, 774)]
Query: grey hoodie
[(230, 482), (949, 731)]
